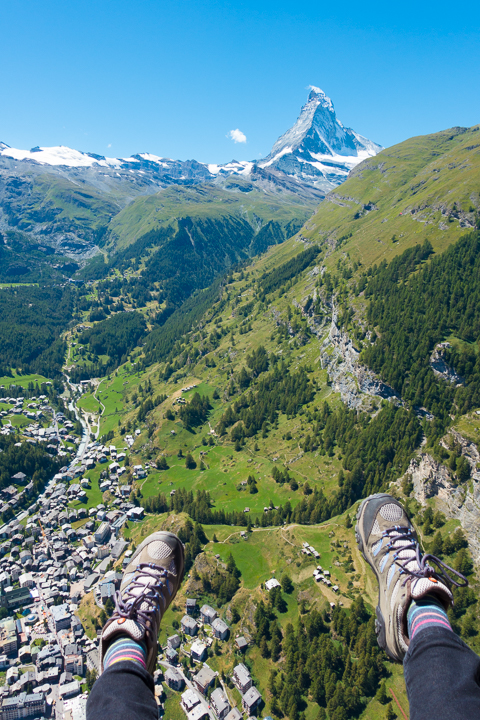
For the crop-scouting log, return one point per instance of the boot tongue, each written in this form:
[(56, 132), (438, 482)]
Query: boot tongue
[(420, 586), (403, 555)]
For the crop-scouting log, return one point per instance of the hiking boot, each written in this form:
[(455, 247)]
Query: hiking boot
[(149, 584), (389, 544)]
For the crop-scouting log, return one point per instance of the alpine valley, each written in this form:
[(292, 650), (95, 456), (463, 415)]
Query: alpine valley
[(240, 353)]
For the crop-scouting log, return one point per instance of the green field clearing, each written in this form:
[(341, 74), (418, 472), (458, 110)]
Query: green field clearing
[(94, 496), (22, 380), (89, 404), (13, 284), (469, 426), (173, 711), (19, 421)]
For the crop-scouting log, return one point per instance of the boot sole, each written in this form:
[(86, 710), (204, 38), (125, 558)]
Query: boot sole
[(380, 629)]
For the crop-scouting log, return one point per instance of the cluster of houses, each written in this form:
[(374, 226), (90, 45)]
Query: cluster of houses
[(112, 477), (193, 700), (320, 575), (13, 495), (181, 400), (46, 564), (34, 408), (188, 388), (41, 652), (309, 550), (55, 436)]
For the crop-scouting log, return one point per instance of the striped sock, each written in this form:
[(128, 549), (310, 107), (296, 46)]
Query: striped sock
[(425, 613), (124, 648)]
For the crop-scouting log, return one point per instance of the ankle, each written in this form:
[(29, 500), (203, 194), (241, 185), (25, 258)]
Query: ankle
[(124, 648), (426, 612)]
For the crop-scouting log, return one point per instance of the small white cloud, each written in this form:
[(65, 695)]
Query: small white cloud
[(237, 136), (109, 145)]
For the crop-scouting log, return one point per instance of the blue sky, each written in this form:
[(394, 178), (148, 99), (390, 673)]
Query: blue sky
[(174, 78)]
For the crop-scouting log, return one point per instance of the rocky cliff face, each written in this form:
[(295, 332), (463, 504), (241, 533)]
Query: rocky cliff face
[(461, 502)]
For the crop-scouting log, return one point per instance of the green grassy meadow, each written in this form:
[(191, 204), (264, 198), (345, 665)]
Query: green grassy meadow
[(22, 380)]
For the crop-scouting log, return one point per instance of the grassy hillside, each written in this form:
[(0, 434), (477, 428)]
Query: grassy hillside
[(206, 202), (424, 188), (57, 203)]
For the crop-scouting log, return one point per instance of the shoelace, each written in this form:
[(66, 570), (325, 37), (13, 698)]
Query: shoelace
[(425, 570), (128, 603)]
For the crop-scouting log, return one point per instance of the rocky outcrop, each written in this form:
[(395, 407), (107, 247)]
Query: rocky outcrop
[(461, 502), (355, 382), (441, 368), (430, 479), (348, 376)]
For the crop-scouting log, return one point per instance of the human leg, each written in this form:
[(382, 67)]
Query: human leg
[(441, 672), (124, 691), (128, 646), (442, 677)]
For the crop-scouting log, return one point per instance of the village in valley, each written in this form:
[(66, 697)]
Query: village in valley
[(59, 550)]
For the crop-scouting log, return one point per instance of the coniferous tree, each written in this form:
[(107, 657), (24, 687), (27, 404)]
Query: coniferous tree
[(286, 583), (190, 462), (391, 714)]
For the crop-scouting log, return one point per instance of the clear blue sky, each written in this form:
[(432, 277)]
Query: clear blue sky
[(174, 77)]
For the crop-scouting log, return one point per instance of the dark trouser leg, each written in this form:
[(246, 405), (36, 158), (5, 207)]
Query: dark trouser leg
[(125, 691), (442, 676)]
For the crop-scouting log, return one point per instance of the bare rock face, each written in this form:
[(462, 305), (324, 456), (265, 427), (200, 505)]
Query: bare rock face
[(469, 449), (348, 376), (461, 502), (440, 366), (430, 479)]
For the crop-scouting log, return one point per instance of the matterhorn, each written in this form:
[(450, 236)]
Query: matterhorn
[(318, 150)]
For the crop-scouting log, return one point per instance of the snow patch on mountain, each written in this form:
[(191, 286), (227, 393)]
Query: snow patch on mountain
[(59, 155), (164, 162), (67, 157), (233, 167)]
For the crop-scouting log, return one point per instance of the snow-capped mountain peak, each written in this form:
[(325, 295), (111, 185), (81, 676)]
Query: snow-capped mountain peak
[(317, 95), (318, 148)]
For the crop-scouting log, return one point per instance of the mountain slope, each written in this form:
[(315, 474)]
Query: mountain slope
[(235, 197), (424, 188)]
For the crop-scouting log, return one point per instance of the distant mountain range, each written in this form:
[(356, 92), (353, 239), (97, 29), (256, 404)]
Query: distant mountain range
[(66, 203), (317, 151)]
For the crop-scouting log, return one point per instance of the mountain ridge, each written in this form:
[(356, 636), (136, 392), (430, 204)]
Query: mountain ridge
[(317, 115)]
